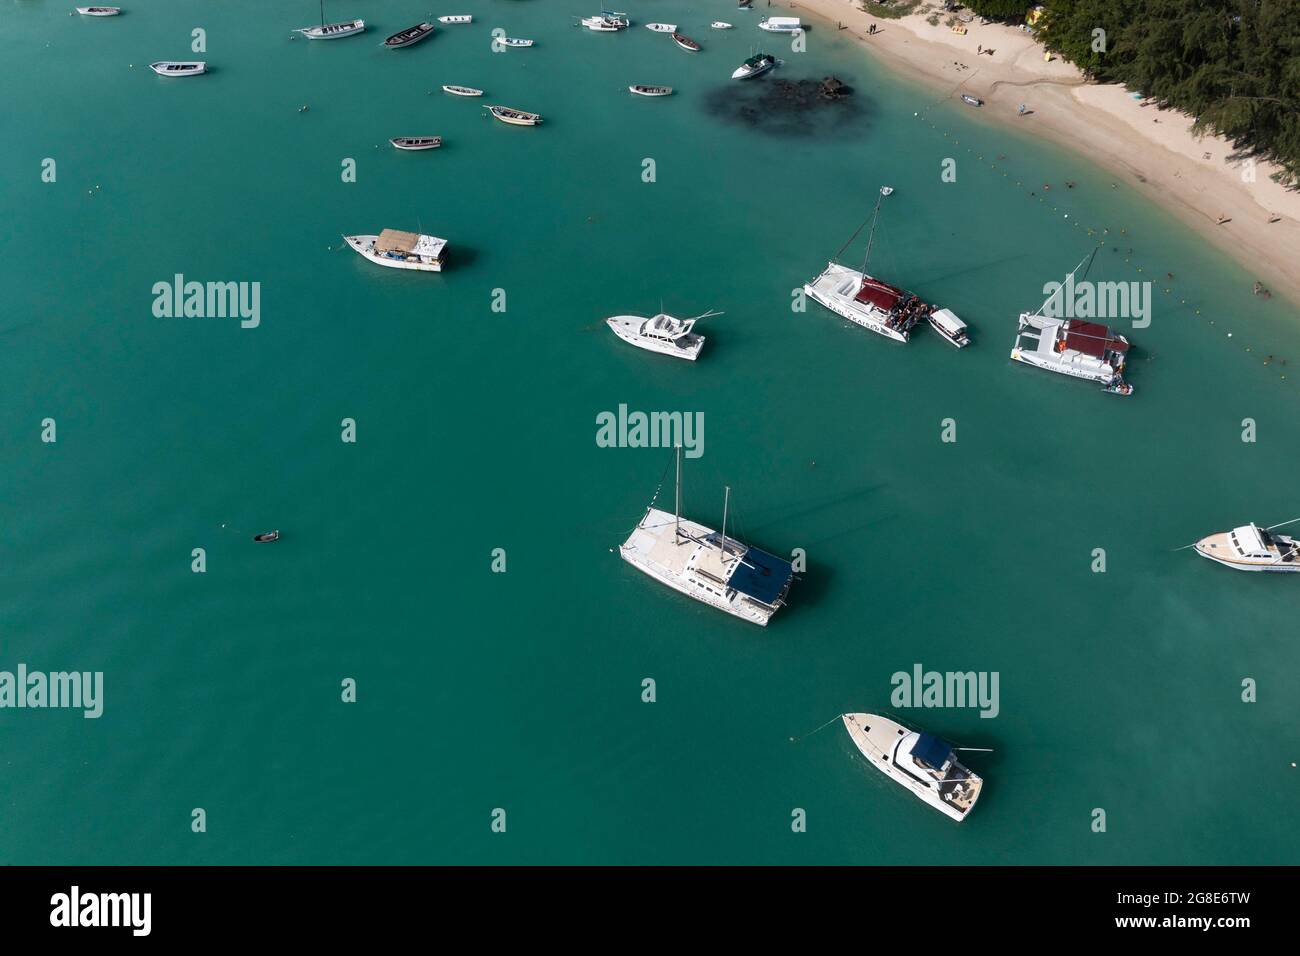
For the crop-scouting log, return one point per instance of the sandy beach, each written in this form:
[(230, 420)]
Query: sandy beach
[(1154, 150)]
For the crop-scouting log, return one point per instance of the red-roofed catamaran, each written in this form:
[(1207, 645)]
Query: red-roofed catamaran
[(876, 305)]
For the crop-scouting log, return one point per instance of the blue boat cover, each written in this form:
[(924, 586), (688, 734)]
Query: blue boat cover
[(761, 575), (933, 750)]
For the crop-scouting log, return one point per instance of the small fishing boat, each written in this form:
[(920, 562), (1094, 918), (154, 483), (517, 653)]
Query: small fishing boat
[(410, 36), (514, 117), (461, 90), (179, 67), (950, 328), (457, 18), (720, 25), (415, 143), (333, 31), (661, 333), (971, 100), (515, 42), (99, 11), (651, 90), (605, 23), (1252, 548), (686, 43), (401, 250), (266, 536), (780, 25), (662, 27), (922, 763), (1119, 388), (756, 65)]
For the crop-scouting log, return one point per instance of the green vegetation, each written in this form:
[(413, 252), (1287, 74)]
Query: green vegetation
[(890, 9)]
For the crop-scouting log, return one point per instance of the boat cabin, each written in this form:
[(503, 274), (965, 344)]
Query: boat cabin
[(396, 244)]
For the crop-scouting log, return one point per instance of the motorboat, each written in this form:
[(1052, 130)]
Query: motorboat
[(415, 143), (950, 328), (401, 250), (662, 27), (781, 25), (515, 42), (756, 65), (661, 333), (720, 25), (1252, 548), (920, 762)]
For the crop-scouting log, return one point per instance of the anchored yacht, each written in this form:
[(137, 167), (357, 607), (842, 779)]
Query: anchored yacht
[(401, 250), (707, 565), (661, 333), (923, 763), (1251, 548), (876, 305), (756, 65), (99, 11), (605, 23)]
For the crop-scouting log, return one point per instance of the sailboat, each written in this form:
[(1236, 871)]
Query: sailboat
[(873, 304), (331, 31), (707, 565), (923, 763)]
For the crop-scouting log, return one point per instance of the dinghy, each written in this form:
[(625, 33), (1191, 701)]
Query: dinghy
[(99, 11), (458, 18), (686, 43), (514, 117), (651, 90), (461, 90), (720, 25), (414, 143), (971, 100), (179, 67), (662, 27), (266, 536), (515, 42), (410, 36)]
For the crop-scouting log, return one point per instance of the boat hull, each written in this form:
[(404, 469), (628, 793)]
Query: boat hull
[(398, 42), (625, 326), (365, 246), (161, 69), (334, 31), (1026, 357), (822, 290), (651, 90), (462, 91)]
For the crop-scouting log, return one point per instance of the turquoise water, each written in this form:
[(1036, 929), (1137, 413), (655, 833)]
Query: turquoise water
[(475, 431)]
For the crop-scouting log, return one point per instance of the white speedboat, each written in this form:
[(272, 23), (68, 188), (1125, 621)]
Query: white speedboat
[(756, 65), (333, 31), (401, 250), (780, 25), (950, 328), (662, 27), (514, 117), (410, 36), (461, 90), (516, 42), (457, 18), (605, 23), (99, 11), (923, 763), (416, 143), (640, 90), (179, 67), (706, 565), (1252, 548), (661, 333), (720, 25)]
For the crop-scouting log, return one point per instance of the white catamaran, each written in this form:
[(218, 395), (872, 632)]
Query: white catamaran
[(876, 305), (706, 565), (923, 763)]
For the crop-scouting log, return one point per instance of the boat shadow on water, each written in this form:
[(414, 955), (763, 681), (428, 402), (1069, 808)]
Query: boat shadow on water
[(787, 107)]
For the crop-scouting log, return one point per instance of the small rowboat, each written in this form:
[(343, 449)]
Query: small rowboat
[(515, 42), (179, 67), (458, 18), (720, 25), (1118, 387), (971, 100), (333, 31), (686, 43), (514, 117), (410, 36), (662, 27), (461, 90), (99, 11), (416, 142), (266, 536), (651, 90)]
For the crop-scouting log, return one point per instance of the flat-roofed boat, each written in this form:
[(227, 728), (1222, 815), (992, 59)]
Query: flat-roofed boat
[(514, 117), (756, 65), (415, 143), (179, 67), (99, 11), (457, 18), (780, 25), (661, 333), (461, 90), (1252, 548), (706, 565), (401, 250), (950, 328), (922, 763), (651, 90), (410, 36), (686, 43)]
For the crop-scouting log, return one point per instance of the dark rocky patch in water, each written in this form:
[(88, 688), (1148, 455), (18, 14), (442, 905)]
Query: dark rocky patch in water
[(824, 108)]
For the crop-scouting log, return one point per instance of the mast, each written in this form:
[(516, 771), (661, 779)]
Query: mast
[(726, 497), (322, 13), (1061, 291), (872, 234), (677, 514)]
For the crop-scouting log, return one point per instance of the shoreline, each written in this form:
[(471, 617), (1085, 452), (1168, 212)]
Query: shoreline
[(1154, 150)]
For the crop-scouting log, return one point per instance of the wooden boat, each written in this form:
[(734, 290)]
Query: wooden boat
[(686, 43), (515, 42), (333, 31), (179, 67), (410, 36), (971, 100), (414, 143), (457, 18), (396, 249), (99, 11), (461, 90), (651, 90), (266, 536), (514, 117)]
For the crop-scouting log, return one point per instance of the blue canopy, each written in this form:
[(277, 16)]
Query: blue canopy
[(762, 576), (933, 750)]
